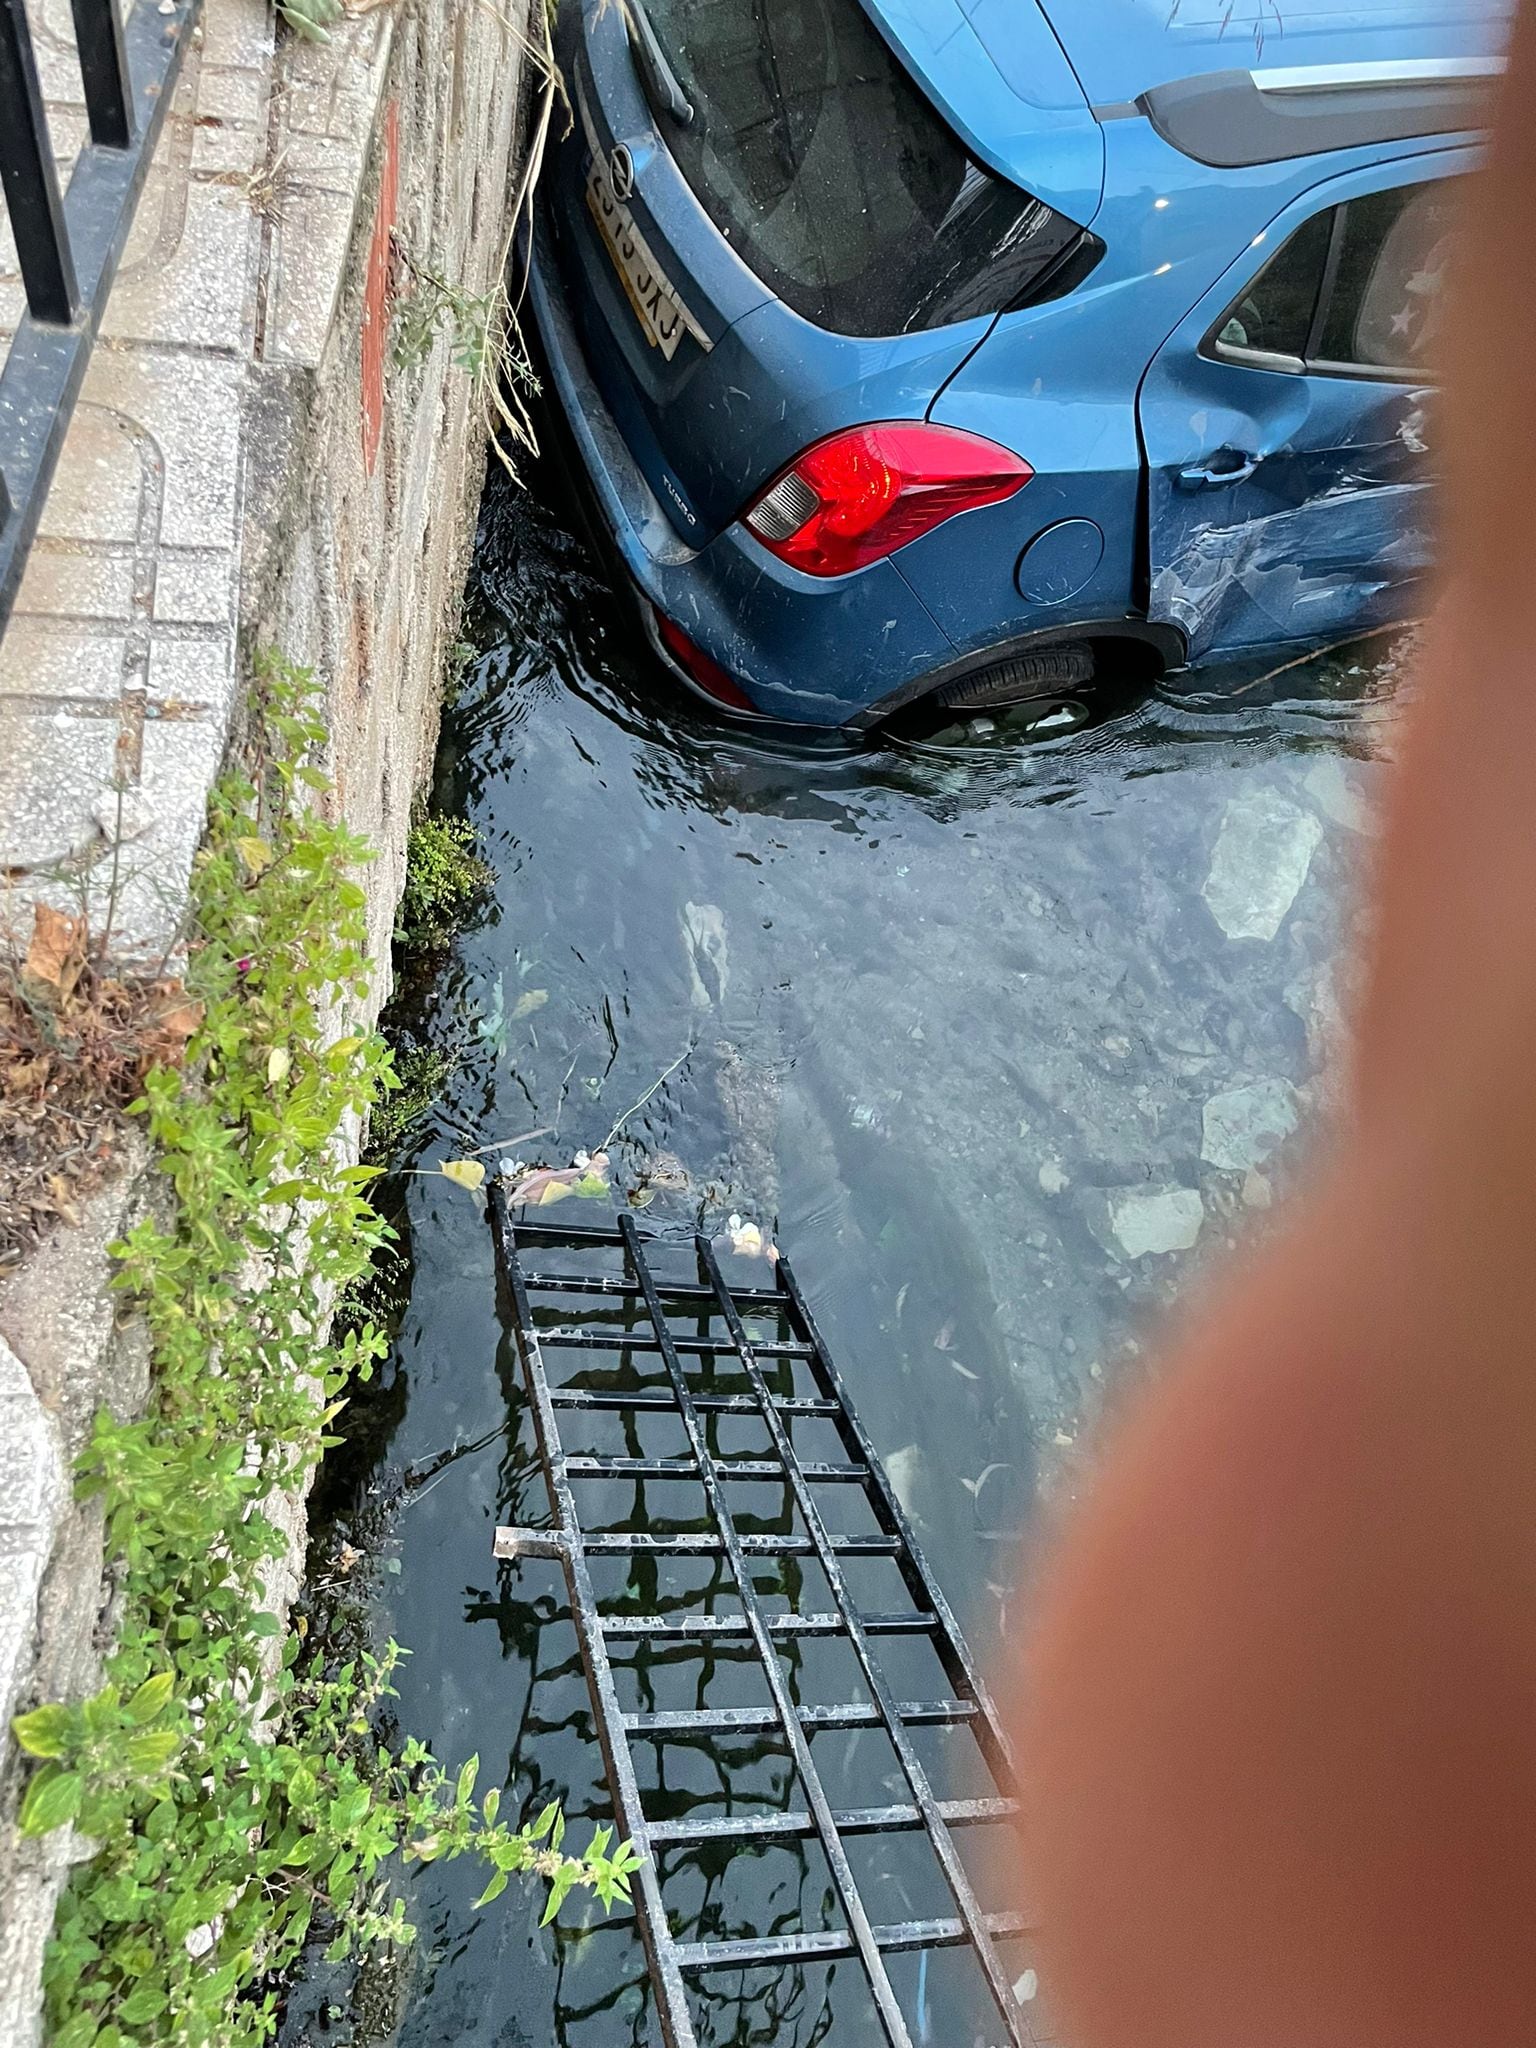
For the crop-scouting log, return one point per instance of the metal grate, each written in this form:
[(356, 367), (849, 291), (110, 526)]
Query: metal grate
[(68, 244), (629, 1313)]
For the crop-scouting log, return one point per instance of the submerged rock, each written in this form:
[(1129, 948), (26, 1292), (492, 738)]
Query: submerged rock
[(903, 1468), (1155, 1219), (1337, 796), (1260, 860), (1241, 1127), (709, 973)]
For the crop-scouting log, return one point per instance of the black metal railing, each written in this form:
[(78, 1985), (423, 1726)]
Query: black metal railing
[(627, 1358), (68, 243)]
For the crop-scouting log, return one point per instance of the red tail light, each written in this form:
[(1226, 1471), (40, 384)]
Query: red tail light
[(867, 491)]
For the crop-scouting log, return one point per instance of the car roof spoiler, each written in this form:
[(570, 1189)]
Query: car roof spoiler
[(1230, 119)]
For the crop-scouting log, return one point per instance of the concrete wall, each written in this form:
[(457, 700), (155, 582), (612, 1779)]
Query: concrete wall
[(283, 484)]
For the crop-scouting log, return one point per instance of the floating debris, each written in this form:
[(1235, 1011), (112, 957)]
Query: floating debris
[(747, 1240), (587, 1176), (464, 1173)]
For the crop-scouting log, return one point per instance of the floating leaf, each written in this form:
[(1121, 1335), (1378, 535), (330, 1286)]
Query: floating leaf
[(464, 1173), (530, 1000), (550, 1184)]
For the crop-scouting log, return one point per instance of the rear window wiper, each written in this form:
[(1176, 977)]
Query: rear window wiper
[(660, 80)]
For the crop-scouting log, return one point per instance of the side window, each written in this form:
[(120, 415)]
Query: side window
[(1355, 290), (1384, 306), (1274, 315)]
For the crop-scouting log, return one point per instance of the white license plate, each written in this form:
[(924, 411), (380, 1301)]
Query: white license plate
[(663, 317)]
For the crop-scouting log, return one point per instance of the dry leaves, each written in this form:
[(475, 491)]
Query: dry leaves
[(56, 957), (76, 1040)]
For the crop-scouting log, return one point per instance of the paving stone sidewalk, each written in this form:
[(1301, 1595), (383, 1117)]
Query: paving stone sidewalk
[(118, 669)]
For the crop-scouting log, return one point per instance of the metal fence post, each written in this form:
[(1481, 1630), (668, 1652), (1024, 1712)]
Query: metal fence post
[(30, 177)]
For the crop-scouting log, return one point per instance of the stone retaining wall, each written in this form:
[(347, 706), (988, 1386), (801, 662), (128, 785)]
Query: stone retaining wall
[(247, 467)]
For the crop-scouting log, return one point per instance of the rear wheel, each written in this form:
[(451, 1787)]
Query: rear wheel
[(1047, 689)]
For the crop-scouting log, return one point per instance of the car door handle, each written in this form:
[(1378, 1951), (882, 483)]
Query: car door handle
[(1205, 476)]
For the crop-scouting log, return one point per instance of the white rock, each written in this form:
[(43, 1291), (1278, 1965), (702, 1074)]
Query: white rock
[(1052, 1179), (1241, 1127), (1261, 857), (902, 1469), (1336, 796), (708, 960), (1156, 1219), (1025, 1987)]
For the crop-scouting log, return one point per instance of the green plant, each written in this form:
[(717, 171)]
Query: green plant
[(237, 1798), (444, 879), (455, 668), (434, 302), (311, 19), (423, 1071)]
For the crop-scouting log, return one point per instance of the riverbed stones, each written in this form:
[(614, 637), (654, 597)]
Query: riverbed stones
[(1337, 796), (903, 1468), (1146, 1220), (1241, 1127), (709, 971), (1263, 851)]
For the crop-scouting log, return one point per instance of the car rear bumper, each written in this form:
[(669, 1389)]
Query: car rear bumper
[(805, 650)]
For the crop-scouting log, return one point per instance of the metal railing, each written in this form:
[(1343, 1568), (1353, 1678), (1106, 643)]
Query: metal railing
[(631, 1361), (68, 243)]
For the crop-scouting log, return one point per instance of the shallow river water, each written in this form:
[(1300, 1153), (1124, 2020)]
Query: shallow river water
[(1000, 1041)]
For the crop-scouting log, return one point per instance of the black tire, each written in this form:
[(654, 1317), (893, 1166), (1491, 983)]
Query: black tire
[(1050, 672)]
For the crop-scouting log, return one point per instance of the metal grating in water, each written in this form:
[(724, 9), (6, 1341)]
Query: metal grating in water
[(627, 1312)]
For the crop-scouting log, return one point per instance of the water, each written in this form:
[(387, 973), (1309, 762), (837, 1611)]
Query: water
[(1000, 1041)]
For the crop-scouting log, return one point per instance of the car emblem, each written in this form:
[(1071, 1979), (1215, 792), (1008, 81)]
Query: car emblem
[(621, 171)]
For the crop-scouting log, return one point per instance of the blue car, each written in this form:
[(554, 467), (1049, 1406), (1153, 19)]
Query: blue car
[(967, 350)]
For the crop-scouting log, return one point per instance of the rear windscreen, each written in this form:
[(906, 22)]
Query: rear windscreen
[(832, 176)]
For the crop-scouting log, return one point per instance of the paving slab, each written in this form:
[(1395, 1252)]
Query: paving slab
[(118, 672)]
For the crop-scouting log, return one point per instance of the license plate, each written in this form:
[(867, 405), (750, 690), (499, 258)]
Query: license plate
[(663, 317)]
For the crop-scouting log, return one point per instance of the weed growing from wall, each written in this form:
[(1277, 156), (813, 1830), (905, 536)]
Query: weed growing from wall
[(237, 1814), (444, 881)]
